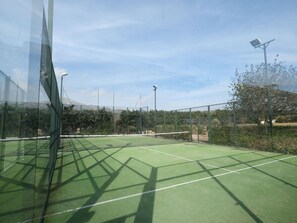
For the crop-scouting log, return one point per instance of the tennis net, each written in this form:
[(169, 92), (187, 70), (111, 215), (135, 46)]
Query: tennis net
[(82, 142)]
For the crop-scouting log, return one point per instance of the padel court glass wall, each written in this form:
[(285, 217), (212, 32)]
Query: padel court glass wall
[(29, 111)]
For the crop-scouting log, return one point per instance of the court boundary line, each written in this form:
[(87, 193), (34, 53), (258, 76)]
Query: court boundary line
[(180, 157), (159, 189), (191, 160)]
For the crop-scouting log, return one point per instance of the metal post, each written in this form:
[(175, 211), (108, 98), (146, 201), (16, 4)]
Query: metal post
[(140, 121), (175, 122), (61, 89), (191, 136), (62, 106), (235, 125), (257, 43), (155, 96), (5, 99), (113, 128), (269, 93), (209, 124), (164, 124), (3, 120), (198, 121), (98, 100)]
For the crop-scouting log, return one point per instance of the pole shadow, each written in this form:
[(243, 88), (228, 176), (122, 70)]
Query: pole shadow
[(145, 209), (233, 196)]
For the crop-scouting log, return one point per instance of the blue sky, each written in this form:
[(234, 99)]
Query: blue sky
[(190, 49)]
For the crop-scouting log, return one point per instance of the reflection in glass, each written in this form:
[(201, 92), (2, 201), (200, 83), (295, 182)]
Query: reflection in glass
[(29, 111)]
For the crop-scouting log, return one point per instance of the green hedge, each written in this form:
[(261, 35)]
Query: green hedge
[(284, 138)]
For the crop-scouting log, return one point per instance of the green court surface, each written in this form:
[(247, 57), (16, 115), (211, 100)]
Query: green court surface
[(23, 177), (100, 180)]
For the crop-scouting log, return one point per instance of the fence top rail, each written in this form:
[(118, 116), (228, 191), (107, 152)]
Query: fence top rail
[(10, 139), (203, 106)]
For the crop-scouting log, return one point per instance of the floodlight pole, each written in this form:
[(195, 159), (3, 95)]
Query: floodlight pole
[(155, 95), (61, 99), (264, 46), (61, 90)]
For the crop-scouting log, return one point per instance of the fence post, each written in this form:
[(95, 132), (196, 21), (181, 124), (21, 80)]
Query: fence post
[(164, 124), (198, 124), (235, 125), (175, 122), (140, 121), (3, 121), (209, 124), (191, 136)]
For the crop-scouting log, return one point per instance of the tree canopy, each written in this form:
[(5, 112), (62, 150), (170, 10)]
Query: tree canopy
[(257, 91)]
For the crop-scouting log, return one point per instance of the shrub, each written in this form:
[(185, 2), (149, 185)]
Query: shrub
[(284, 138)]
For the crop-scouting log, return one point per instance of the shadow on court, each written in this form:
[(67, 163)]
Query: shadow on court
[(232, 195), (85, 159), (93, 184), (24, 174)]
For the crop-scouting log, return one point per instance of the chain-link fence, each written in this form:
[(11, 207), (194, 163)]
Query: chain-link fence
[(262, 126)]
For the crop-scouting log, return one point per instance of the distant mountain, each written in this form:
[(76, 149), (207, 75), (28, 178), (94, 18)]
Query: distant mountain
[(68, 101)]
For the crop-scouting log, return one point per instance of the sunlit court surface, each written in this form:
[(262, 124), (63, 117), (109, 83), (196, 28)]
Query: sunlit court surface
[(108, 179)]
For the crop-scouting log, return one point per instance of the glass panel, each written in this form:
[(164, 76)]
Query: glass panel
[(29, 121)]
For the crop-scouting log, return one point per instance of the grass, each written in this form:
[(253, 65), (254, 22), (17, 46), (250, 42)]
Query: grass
[(184, 182)]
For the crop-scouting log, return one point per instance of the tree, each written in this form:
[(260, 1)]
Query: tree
[(258, 93)]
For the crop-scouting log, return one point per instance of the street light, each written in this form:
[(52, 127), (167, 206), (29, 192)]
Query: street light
[(61, 91), (256, 43), (155, 94)]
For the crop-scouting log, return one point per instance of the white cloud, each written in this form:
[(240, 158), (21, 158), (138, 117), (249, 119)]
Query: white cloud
[(107, 25), (191, 49)]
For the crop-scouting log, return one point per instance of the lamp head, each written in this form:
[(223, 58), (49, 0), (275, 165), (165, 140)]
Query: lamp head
[(155, 87), (64, 74), (255, 42)]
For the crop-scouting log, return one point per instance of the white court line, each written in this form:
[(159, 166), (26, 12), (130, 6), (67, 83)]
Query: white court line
[(183, 158), (168, 154), (160, 189)]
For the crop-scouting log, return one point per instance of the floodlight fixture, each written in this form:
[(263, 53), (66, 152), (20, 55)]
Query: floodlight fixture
[(256, 42), (155, 87)]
